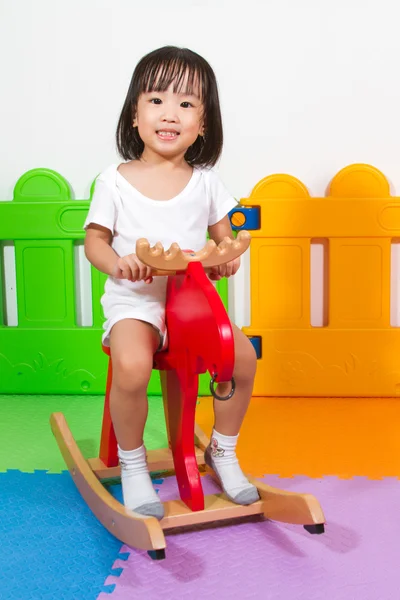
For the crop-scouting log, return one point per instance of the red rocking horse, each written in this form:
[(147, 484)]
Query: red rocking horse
[(200, 340)]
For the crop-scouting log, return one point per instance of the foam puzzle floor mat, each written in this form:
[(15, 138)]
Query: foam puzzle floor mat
[(356, 558), (27, 442), (52, 547), (317, 436)]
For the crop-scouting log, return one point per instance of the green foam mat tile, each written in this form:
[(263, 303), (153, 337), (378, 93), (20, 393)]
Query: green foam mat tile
[(27, 442)]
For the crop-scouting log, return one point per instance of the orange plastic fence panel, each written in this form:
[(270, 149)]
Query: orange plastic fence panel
[(280, 291), (355, 352)]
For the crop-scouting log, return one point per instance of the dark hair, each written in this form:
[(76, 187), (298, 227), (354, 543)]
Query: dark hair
[(155, 72)]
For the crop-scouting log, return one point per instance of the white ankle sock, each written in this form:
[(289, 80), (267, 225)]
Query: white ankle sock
[(234, 482), (137, 488)]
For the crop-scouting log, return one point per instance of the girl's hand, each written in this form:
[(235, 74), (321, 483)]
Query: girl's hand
[(226, 270), (131, 268)]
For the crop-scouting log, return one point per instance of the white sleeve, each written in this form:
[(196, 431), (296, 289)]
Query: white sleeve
[(221, 201), (102, 209)]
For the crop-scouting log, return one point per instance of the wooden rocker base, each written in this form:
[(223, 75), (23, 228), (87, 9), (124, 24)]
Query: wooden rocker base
[(147, 533)]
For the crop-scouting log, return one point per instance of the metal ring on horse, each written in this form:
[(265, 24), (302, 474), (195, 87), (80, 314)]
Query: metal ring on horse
[(214, 393)]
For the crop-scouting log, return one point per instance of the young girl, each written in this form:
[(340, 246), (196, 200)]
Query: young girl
[(170, 134)]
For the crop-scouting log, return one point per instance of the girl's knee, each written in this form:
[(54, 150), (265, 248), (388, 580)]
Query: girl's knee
[(245, 359), (132, 373)]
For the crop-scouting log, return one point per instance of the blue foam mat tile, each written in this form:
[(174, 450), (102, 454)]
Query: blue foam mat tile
[(108, 589), (52, 546)]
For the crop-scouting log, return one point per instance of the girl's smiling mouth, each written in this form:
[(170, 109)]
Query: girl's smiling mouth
[(167, 134)]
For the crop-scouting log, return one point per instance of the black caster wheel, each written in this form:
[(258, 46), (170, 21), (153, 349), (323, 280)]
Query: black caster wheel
[(156, 554), (315, 529)]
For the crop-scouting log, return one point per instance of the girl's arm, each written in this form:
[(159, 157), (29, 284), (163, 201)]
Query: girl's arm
[(218, 232), (99, 252), (98, 248)]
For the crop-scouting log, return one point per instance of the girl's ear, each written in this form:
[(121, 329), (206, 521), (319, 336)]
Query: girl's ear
[(134, 122)]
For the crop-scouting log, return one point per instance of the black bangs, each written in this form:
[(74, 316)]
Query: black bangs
[(186, 77), (189, 73)]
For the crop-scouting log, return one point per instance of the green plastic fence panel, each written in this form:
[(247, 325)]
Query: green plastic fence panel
[(42, 361), (48, 352), (45, 283), (2, 290)]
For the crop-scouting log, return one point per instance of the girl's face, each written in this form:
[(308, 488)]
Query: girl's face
[(169, 122)]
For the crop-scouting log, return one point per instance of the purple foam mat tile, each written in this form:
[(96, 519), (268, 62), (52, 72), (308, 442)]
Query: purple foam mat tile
[(257, 560), (169, 488)]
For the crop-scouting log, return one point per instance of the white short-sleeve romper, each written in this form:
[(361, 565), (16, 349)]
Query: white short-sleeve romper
[(130, 215)]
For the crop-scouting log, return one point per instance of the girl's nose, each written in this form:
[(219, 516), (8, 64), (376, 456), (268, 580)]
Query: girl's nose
[(169, 118), (169, 114)]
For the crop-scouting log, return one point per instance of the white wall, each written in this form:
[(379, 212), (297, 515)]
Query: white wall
[(307, 86)]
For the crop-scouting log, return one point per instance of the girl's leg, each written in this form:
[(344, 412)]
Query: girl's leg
[(133, 344), (229, 415)]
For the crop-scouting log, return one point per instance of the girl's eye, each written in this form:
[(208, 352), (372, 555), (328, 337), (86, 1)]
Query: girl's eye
[(155, 100), (186, 104)]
